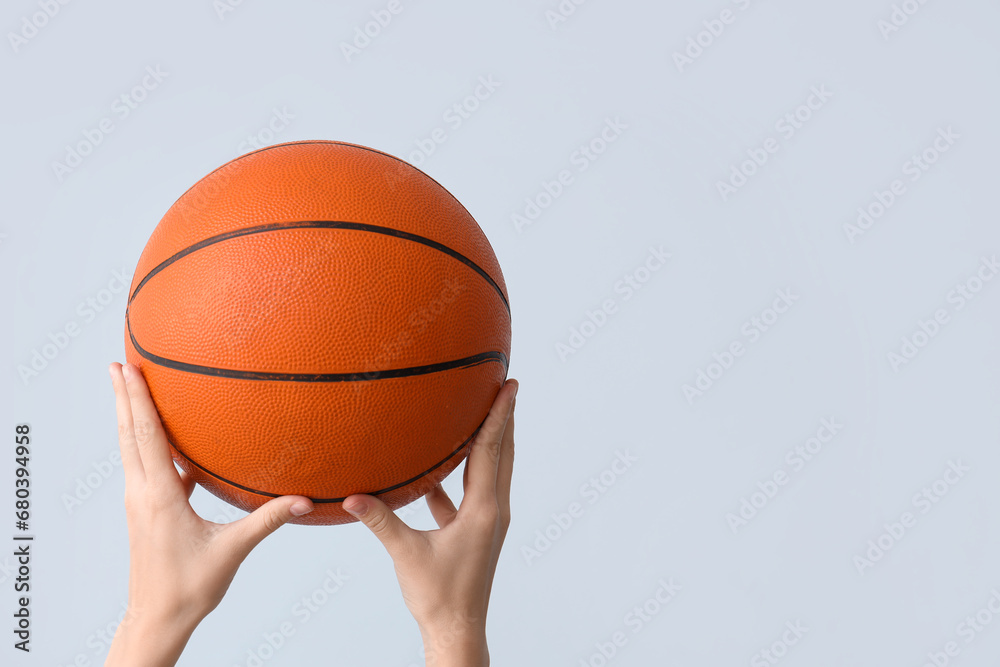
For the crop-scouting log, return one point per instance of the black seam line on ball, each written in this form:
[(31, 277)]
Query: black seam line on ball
[(329, 500), (324, 224), (467, 362)]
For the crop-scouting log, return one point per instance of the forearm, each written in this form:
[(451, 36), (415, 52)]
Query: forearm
[(149, 642)]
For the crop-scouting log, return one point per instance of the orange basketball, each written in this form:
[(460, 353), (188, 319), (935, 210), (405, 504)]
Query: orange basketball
[(321, 319)]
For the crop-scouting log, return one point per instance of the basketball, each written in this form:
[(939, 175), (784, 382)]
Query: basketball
[(319, 318)]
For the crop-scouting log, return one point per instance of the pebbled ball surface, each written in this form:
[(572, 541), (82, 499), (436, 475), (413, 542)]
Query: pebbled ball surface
[(319, 319)]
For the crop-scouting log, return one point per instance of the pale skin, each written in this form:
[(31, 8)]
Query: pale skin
[(182, 565)]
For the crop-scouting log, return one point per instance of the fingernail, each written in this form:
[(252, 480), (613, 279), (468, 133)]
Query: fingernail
[(300, 508), (127, 372), (356, 509)]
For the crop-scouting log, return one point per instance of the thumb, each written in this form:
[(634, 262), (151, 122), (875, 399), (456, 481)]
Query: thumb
[(387, 527), (251, 530)]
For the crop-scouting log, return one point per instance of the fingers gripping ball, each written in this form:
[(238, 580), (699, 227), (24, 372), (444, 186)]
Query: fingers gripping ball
[(319, 319)]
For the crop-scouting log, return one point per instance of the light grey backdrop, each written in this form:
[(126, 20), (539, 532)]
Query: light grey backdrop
[(779, 445)]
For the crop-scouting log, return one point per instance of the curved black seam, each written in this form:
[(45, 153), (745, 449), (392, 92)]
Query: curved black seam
[(467, 362), (322, 224), (329, 500)]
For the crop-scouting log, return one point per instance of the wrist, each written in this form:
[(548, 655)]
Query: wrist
[(150, 639), (457, 645)]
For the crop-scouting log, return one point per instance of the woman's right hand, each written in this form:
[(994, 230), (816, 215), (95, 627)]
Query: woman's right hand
[(446, 575)]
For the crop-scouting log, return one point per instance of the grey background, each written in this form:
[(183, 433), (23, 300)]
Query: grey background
[(665, 517)]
